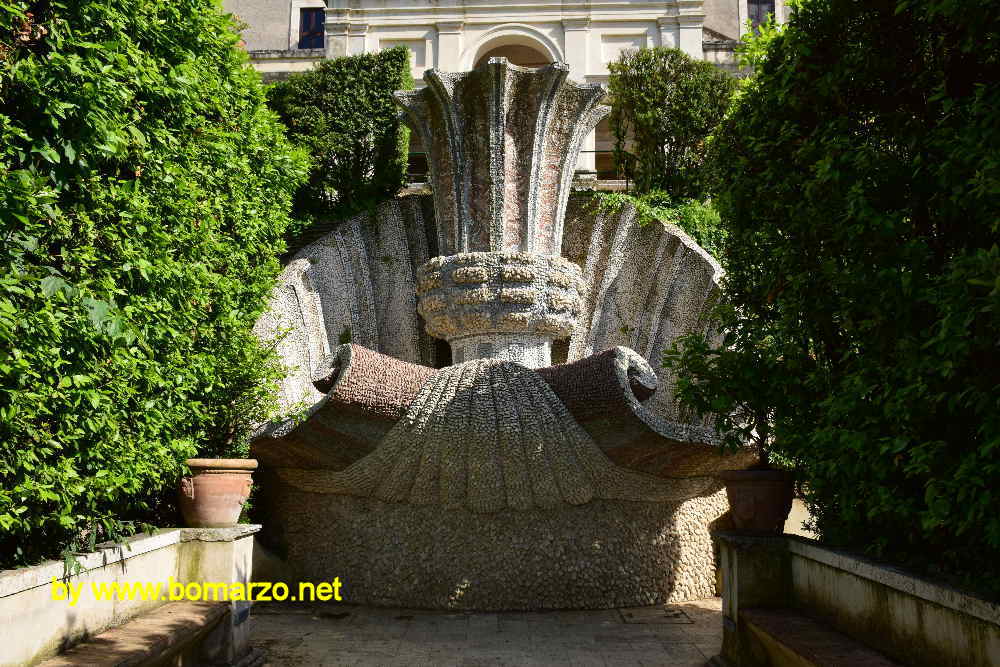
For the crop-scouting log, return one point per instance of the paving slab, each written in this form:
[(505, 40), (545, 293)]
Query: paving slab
[(327, 635)]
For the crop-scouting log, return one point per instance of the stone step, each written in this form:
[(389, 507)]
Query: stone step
[(169, 635), (789, 639)]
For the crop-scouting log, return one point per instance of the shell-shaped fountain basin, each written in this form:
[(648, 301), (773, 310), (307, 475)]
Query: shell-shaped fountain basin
[(490, 434)]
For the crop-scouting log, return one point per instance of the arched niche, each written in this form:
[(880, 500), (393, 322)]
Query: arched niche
[(517, 54), (520, 44)]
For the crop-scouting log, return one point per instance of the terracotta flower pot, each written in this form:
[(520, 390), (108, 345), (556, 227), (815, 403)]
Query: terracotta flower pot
[(759, 500), (213, 495)]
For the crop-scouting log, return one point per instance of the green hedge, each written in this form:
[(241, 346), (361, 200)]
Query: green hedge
[(343, 113), (664, 105), (144, 192), (859, 185)]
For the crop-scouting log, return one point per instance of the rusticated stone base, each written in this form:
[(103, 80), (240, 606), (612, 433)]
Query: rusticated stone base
[(599, 555)]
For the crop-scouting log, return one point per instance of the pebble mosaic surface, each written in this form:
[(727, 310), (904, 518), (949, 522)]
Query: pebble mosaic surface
[(489, 480), (510, 297), (606, 553), (605, 394), (646, 285), (502, 143)]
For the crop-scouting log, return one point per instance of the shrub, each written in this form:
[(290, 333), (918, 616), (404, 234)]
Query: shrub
[(343, 112), (664, 105), (859, 185), (144, 190), (699, 219)]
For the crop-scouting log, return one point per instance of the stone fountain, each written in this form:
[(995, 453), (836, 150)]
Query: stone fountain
[(478, 475)]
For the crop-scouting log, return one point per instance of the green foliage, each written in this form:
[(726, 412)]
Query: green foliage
[(755, 42), (859, 184), (144, 191), (699, 219), (733, 382), (664, 105), (343, 113)]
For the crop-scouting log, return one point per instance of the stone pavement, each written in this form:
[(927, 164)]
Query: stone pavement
[(297, 634)]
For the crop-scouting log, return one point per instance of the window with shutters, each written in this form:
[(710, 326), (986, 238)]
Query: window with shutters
[(311, 28)]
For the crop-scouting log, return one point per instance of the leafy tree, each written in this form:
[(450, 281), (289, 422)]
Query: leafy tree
[(664, 105), (343, 112), (859, 186), (144, 191)]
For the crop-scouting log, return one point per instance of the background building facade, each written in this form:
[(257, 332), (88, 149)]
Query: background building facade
[(455, 35)]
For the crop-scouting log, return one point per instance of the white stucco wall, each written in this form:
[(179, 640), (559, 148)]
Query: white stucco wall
[(448, 34), (452, 35)]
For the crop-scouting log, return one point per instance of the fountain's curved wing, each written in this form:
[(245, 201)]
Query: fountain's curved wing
[(648, 284), (355, 284), (592, 406), (364, 394)]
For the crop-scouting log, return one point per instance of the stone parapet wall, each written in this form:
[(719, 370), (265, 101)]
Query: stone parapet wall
[(36, 626), (910, 619)]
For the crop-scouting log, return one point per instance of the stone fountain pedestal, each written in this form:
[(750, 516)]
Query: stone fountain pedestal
[(602, 555)]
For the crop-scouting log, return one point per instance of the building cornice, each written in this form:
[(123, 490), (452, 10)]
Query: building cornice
[(690, 8), (576, 23), (287, 54), (337, 14), (337, 28), (690, 20), (449, 27), (466, 9)]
